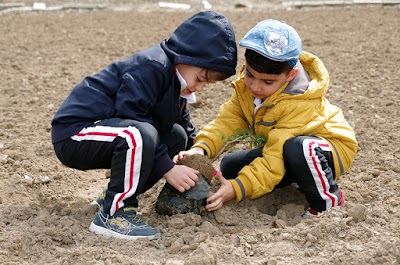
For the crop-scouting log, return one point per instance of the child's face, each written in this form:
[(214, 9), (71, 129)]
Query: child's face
[(264, 85), (195, 78)]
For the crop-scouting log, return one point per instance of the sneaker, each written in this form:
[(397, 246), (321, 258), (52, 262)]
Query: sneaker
[(313, 213), (125, 224), (100, 199)]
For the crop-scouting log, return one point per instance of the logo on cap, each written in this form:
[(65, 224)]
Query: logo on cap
[(275, 43)]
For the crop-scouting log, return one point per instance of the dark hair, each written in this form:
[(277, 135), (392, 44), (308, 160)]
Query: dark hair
[(214, 76), (264, 65)]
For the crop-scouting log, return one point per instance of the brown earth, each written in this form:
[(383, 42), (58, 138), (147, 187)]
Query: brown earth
[(44, 212), (200, 163)]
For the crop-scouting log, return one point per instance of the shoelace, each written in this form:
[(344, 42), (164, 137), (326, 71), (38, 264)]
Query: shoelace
[(133, 215)]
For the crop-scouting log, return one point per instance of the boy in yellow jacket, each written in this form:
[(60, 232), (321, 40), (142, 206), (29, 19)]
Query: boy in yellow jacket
[(280, 94)]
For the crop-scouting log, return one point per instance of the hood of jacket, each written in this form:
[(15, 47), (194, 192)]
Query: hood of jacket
[(205, 40), (311, 82)]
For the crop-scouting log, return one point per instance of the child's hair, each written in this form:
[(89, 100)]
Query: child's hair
[(265, 65), (214, 76)]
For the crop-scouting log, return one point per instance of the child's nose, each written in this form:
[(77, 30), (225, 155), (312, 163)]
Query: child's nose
[(200, 87), (255, 85)]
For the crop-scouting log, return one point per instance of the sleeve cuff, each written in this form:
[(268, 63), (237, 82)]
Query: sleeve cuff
[(242, 188), (205, 147), (164, 164)]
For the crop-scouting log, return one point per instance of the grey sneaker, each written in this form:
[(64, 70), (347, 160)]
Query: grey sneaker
[(125, 224)]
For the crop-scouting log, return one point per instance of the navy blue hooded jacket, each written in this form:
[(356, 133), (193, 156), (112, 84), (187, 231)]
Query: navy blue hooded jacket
[(144, 87)]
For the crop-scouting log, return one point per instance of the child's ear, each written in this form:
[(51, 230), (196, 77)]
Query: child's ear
[(292, 74)]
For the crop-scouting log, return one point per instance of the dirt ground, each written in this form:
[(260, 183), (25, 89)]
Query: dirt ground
[(44, 206)]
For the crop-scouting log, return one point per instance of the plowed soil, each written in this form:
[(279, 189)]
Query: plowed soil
[(44, 206)]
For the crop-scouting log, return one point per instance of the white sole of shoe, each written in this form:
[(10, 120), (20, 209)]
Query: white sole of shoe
[(108, 233)]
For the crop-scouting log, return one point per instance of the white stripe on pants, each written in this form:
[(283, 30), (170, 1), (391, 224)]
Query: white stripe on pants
[(314, 164), (133, 161)]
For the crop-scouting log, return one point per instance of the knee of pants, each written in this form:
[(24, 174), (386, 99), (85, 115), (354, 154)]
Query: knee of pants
[(180, 134), (230, 166), (293, 151), (176, 140), (232, 163), (149, 134), (224, 165)]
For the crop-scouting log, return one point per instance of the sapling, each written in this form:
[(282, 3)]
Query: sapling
[(241, 137)]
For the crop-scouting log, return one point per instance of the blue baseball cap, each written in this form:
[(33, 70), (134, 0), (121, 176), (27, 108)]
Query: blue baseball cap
[(275, 40)]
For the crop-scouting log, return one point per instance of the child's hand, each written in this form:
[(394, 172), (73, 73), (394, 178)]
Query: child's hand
[(182, 154), (225, 193), (182, 177)]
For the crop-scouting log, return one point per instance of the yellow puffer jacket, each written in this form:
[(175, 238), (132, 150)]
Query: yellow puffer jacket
[(289, 112)]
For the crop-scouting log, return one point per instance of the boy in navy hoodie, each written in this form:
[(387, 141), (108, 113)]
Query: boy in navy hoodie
[(133, 117)]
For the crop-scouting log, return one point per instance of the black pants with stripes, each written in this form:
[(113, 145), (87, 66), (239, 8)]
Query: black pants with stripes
[(309, 164), (128, 148)]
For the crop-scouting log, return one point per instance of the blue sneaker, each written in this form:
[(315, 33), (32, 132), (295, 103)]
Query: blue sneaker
[(100, 199), (125, 224)]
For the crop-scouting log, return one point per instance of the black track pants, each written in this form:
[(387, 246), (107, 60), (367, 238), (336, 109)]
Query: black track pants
[(308, 162), (128, 148)]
